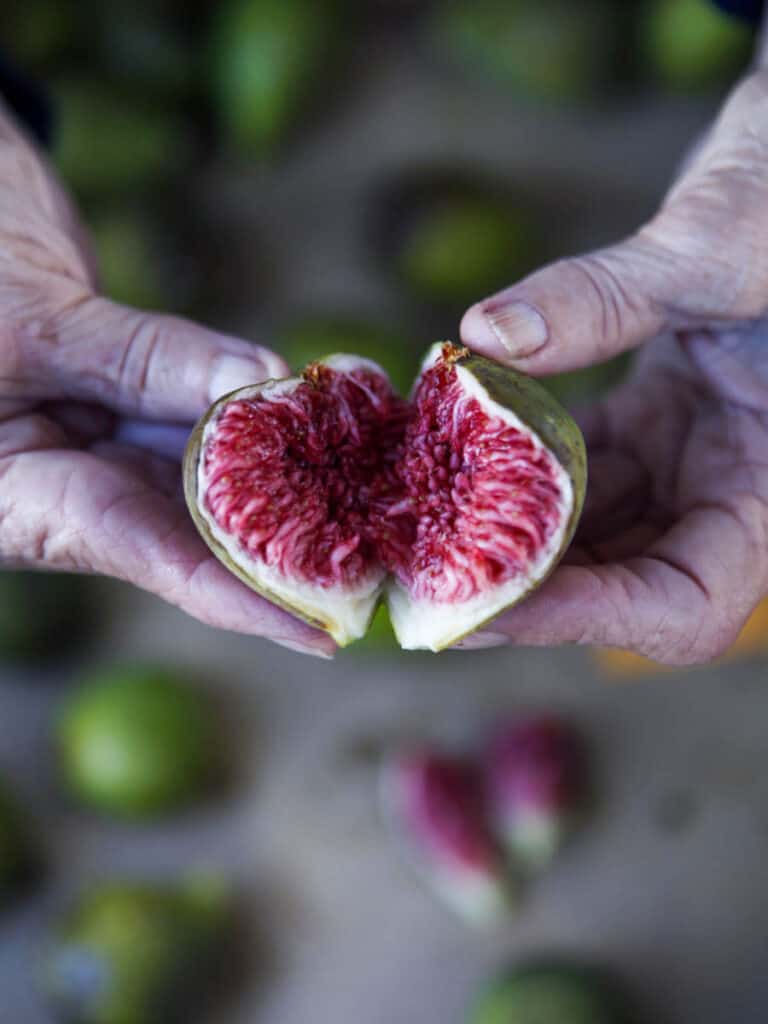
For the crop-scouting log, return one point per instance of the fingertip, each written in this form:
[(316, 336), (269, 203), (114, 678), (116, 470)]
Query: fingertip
[(275, 366), (477, 334), (482, 641), (323, 647), (505, 328), (229, 371)]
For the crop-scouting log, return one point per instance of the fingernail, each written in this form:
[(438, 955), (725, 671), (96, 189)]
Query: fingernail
[(232, 372), (480, 641), (300, 648), (520, 328), (274, 365)]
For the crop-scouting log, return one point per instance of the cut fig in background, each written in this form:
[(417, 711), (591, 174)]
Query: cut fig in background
[(327, 491), (435, 805), (536, 776)]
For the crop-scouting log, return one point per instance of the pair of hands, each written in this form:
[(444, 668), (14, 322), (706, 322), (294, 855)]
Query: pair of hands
[(672, 554)]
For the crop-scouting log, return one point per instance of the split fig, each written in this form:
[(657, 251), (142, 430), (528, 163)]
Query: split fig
[(535, 774), (327, 491), (436, 806)]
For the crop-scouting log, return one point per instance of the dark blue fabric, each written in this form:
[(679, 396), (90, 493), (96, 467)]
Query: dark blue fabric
[(27, 101), (751, 9)]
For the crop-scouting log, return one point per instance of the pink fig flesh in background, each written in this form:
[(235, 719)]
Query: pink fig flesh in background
[(436, 803), (328, 492), (535, 783)]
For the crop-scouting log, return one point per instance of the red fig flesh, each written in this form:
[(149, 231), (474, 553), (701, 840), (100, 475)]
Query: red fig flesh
[(536, 782), (318, 490), (437, 806)]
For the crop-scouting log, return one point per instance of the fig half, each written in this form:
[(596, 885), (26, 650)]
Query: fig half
[(326, 491)]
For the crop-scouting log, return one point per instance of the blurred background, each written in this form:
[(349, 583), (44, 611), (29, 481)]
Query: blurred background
[(178, 804)]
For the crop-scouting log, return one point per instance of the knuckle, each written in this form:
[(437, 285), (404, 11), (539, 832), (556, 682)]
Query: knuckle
[(144, 340), (610, 300), (711, 638)]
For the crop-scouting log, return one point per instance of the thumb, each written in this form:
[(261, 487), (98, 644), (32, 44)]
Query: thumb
[(148, 365), (587, 309)]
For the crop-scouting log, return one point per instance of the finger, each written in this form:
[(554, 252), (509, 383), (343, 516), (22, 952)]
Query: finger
[(692, 265), (141, 364), (676, 604), (96, 516), (576, 312), (33, 432)]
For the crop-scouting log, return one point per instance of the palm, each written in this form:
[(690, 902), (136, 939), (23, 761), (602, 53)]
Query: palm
[(131, 521), (675, 512)]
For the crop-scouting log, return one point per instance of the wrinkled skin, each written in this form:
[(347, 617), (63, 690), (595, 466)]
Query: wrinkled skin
[(673, 553), (95, 402)]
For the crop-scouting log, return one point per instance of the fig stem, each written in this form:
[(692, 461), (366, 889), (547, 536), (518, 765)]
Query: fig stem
[(451, 353)]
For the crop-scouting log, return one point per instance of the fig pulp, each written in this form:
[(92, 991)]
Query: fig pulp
[(325, 491), (436, 805), (536, 780)]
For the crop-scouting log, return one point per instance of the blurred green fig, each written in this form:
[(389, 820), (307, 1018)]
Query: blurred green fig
[(541, 48), (137, 952), (106, 142), (556, 994), (127, 255), (136, 742), (43, 615), (270, 59), (690, 44), (461, 245)]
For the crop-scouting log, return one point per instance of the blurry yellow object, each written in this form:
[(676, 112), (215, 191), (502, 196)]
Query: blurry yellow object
[(752, 640)]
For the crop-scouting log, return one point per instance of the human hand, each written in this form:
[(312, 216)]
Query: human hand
[(95, 405), (672, 553)]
